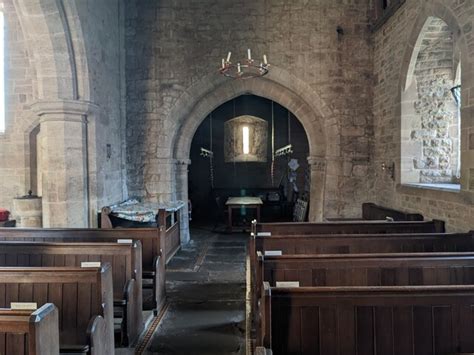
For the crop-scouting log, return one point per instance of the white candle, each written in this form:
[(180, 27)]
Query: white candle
[(265, 59), (249, 54), (228, 57), (238, 67), (223, 63)]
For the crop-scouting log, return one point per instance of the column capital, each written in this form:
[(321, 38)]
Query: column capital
[(317, 163), (58, 110)]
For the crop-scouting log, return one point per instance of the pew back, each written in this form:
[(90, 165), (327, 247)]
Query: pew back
[(29, 332), (369, 320), (349, 227), (369, 269), (149, 238), (83, 297), (366, 243)]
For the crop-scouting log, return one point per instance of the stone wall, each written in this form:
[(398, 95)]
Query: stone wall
[(174, 49), (102, 24), (394, 44)]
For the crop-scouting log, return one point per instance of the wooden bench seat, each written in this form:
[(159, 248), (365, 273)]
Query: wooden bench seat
[(391, 320), (153, 263), (30, 332), (125, 259), (83, 296), (349, 227)]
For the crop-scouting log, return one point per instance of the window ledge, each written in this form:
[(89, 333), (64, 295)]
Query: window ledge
[(442, 187)]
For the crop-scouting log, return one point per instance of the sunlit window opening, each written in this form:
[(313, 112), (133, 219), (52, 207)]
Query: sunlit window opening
[(2, 74), (246, 140)]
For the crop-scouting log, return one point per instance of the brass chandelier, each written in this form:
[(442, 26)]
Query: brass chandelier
[(244, 69)]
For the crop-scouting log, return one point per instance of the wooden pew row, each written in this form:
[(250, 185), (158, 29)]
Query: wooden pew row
[(125, 259), (392, 320), (373, 212), (30, 332), (153, 263), (385, 269), (168, 227), (358, 243), (83, 296), (348, 227)]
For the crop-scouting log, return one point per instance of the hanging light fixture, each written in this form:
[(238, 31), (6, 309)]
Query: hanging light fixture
[(244, 69), (245, 139)]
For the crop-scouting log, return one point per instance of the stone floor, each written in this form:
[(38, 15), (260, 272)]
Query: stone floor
[(206, 292)]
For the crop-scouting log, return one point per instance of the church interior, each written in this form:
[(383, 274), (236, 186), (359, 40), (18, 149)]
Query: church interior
[(236, 177)]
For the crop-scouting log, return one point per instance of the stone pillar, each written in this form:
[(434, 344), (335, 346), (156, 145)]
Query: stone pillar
[(65, 180), (317, 167), (181, 174)]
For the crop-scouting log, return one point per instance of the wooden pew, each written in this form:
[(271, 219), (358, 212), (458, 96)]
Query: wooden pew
[(371, 211), (153, 263), (83, 296), (348, 227), (384, 269), (29, 332), (364, 243), (125, 259), (168, 227), (404, 320)]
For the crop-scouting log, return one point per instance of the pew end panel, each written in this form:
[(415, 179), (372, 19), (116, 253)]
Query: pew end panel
[(96, 332), (44, 330), (30, 332), (159, 283), (264, 330), (169, 228), (106, 289)]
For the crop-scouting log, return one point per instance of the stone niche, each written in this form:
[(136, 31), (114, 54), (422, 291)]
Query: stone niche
[(245, 140)]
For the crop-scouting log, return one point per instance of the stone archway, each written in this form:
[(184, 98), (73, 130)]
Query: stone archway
[(279, 86)]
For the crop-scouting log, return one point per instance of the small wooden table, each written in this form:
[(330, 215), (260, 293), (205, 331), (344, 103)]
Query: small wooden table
[(239, 202)]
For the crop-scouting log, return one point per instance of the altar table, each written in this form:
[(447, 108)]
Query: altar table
[(243, 201)]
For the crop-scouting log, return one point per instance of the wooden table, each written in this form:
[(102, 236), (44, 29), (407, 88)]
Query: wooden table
[(239, 202)]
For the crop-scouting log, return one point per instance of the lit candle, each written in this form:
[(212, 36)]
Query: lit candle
[(265, 59), (238, 67), (228, 57), (223, 63), (249, 54)]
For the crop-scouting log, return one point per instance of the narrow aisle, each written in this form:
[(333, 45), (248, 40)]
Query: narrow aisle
[(206, 293)]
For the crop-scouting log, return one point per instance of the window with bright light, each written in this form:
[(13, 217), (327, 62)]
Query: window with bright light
[(246, 139), (2, 73)]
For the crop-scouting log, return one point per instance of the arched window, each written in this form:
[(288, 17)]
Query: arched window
[(431, 110), (2, 72)]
